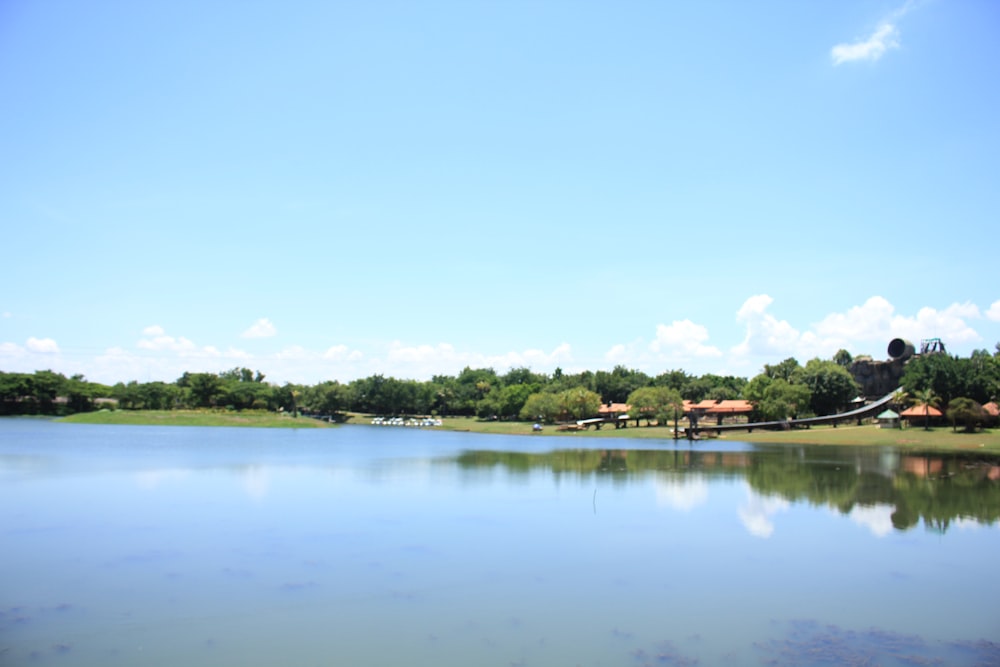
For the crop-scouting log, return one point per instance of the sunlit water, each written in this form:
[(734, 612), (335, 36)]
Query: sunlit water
[(392, 546)]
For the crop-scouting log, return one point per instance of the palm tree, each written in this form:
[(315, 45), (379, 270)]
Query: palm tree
[(928, 399), (900, 398)]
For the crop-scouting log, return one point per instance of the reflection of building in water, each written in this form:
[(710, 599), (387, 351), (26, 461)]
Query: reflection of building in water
[(921, 466)]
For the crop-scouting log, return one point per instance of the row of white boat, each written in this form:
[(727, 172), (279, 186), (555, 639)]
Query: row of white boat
[(399, 421)]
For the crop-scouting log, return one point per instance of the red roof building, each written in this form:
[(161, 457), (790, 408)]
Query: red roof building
[(920, 410)]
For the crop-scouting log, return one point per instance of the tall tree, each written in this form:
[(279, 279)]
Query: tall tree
[(832, 386), (579, 403), (937, 372), (543, 406), (927, 398), (787, 370), (843, 358), (967, 412)]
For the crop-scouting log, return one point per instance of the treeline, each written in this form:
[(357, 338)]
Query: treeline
[(474, 392), (961, 487), (785, 389)]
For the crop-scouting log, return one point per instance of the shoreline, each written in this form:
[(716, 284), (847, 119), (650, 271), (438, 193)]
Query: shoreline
[(940, 438)]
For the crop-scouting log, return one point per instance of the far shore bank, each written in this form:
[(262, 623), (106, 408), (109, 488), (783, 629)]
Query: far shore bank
[(246, 418), (939, 438)]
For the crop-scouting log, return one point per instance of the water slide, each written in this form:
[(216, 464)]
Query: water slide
[(899, 350), (858, 413)]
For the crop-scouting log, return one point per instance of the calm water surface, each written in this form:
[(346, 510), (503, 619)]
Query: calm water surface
[(390, 546)]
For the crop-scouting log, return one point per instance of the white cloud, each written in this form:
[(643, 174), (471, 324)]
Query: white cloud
[(256, 482), (423, 361), (531, 358), (948, 324), (11, 351), (869, 321), (163, 342), (342, 353), (876, 518), (295, 352), (993, 313), (766, 335), (417, 354), (262, 328), (164, 347), (885, 37), (42, 346), (757, 512), (683, 338), (681, 493), (876, 321), (682, 343), (618, 354)]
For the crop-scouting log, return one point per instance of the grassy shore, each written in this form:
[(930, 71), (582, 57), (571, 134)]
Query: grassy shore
[(249, 418), (938, 438)]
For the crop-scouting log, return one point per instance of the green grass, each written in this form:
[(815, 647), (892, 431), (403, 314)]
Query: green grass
[(940, 438), (248, 418)]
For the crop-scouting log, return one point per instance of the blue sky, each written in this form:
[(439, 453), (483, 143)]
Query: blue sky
[(334, 189)]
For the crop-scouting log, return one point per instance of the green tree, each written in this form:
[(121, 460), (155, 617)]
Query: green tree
[(900, 399), (543, 406), (926, 398), (79, 394), (843, 358), (697, 389), (980, 375), (675, 379), (645, 403), (46, 386), (473, 384), (936, 372), (967, 412), (511, 399), (522, 375), (788, 370), (159, 395), (619, 383), (671, 408), (15, 393), (776, 398), (204, 389), (579, 403), (832, 387), (444, 395), (326, 398)]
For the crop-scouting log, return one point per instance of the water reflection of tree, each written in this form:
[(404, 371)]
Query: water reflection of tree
[(935, 489)]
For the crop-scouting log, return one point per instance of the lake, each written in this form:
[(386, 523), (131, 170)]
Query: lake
[(365, 545)]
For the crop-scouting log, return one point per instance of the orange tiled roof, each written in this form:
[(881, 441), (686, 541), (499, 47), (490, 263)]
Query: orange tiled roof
[(992, 409), (620, 408), (731, 406), (918, 411)]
